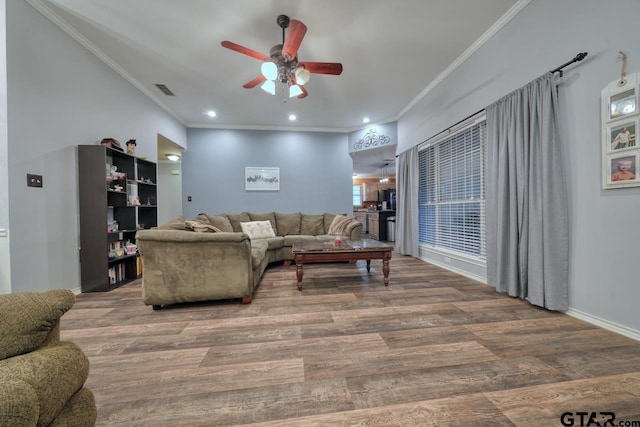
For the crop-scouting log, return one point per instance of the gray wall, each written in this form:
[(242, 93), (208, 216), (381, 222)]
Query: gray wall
[(315, 171), (59, 96), (604, 233)]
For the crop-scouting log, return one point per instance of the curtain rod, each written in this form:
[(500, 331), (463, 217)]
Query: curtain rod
[(579, 57)]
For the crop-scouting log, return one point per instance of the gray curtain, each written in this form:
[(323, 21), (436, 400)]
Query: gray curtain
[(526, 198), (407, 203)]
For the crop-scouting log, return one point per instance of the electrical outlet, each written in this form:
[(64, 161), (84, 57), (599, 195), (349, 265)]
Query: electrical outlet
[(188, 198), (34, 180)]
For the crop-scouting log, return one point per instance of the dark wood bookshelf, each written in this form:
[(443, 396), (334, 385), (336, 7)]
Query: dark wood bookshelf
[(101, 204)]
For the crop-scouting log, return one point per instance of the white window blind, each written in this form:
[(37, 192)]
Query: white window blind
[(451, 193)]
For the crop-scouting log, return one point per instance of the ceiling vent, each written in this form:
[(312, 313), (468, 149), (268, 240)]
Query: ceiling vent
[(164, 89)]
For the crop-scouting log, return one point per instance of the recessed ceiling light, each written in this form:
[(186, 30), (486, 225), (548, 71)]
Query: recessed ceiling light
[(211, 113), (292, 117), (365, 120)]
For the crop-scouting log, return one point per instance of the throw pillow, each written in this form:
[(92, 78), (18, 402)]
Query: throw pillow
[(200, 227), (338, 224), (257, 229)]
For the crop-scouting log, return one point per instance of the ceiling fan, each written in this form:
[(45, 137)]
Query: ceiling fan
[(282, 65)]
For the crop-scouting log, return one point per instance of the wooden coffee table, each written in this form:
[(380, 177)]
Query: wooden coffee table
[(348, 250)]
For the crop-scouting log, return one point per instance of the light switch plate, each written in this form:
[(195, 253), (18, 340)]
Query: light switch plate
[(34, 180)]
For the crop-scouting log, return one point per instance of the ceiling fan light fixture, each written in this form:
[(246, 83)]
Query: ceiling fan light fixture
[(173, 157), (294, 90), (302, 75), (269, 86), (269, 70)]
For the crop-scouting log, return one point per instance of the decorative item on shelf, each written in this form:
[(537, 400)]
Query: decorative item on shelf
[(136, 201), (140, 226), (112, 227), (111, 143), (131, 147), (119, 252), (112, 255), (131, 249), (118, 188), (115, 175), (148, 181)]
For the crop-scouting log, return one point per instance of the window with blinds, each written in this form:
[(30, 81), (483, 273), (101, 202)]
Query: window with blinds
[(451, 193), (357, 195)]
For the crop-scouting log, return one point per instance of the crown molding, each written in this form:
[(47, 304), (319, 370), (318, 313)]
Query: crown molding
[(504, 20)]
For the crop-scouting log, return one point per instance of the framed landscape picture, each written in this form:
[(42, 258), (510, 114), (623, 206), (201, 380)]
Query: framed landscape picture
[(261, 179)]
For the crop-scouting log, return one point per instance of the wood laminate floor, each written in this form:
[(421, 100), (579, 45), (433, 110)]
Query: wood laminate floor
[(434, 348)]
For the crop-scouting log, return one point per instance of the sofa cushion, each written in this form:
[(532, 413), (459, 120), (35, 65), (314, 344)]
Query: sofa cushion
[(288, 240), (258, 252), (312, 224), (257, 229), (202, 219), (275, 242), (328, 219), (287, 224), (221, 222), (177, 223), (200, 227), (268, 216), (27, 319), (236, 219), (338, 224)]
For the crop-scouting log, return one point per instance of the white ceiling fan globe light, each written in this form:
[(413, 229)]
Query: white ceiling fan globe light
[(269, 70), (294, 90), (173, 157), (269, 86), (302, 75)]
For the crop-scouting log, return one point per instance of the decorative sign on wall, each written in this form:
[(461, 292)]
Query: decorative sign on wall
[(620, 149), (371, 139)]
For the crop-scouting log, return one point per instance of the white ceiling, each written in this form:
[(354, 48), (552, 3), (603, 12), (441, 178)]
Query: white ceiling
[(391, 51)]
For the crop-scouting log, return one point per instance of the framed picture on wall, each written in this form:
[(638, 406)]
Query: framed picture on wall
[(622, 135), (623, 104), (261, 179), (620, 115), (622, 170)]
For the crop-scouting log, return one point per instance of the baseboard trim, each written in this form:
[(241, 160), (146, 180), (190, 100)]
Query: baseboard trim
[(455, 270), (605, 324)]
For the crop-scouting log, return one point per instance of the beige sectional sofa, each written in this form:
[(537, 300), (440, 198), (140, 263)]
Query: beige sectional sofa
[(181, 265)]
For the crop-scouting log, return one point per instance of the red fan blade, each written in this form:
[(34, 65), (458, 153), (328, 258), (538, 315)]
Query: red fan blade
[(244, 50), (293, 39), (303, 94), (255, 82), (334, 68)]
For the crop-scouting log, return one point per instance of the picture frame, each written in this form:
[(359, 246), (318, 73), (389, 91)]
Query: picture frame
[(622, 135), (623, 170), (258, 178), (623, 104)]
